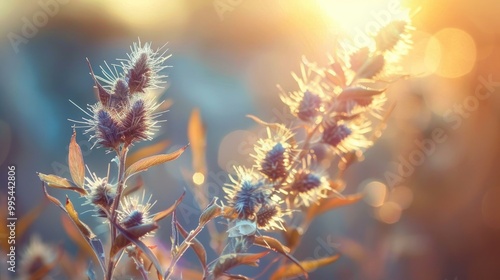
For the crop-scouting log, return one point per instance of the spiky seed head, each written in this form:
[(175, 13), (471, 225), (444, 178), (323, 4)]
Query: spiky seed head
[(247, 192), (334, 134), (101, 194), (269, 216), (308, 186), (309, 107), (36, 258), (107, 130), (134, 213), (139, 122)]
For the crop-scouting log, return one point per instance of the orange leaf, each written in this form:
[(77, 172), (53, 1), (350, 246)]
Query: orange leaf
[(226, 262), (55, 181), (292, 270), (165, 213), (271, 243), (196, 245), (151, 161), (84, 229), (146, 152), (75, 162), (197, 139)]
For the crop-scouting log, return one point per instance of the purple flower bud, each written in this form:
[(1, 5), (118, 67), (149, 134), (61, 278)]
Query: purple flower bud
[(334, 134), (137, 123), (305, 182), (108, 131), (309, 106), (275, 163)]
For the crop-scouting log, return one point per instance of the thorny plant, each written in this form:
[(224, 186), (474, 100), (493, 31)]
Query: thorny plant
[(339, 113)]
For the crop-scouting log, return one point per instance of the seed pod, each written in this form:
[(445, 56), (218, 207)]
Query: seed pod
[(309, 106), (108, 130), (334, 134)]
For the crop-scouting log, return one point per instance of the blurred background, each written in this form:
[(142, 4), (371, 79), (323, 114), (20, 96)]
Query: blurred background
[(440, 219)]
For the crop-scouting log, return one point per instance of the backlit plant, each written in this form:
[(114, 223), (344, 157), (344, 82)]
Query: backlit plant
[(296, 175)]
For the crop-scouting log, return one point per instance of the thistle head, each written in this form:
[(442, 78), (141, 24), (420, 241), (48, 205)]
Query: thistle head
[(247, 192), (134, 212), (101, 194), (345, 137), (269, 217), (308, 186), (37, 260), (143, 66), (274, 154)]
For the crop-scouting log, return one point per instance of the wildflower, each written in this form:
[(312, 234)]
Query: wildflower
[(344, 137), (274, 154), (120, 116), (134, 213), (101, 194), (307, 186), (269, 217), (307, 102), (247, 193), (37, 260), (142, 67)]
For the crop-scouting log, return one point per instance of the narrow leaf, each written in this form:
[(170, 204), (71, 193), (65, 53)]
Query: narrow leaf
[(259, 121), (165, 213), (289, 271), (145, 249), (74, 234), (55, 181), (147, 151), (197, 139), (271, 243), (211, 211), (358, 93), (226, 262), (196, 245), (96, 245), (134, 232), (84, 229), (151, 161), (75, 162)]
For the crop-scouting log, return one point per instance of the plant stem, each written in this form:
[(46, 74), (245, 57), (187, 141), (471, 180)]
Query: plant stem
[(122, 157), (183, 248)]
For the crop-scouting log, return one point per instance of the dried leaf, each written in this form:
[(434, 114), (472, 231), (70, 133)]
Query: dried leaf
[(102, 93), (145, 249), (226, 262), (211, 211), (55, 181), (84, 229), (53, 199), (288, 271), (151, 161), (358, 93), (133, 232), (271, 243), (196, 245), (337, 68), (165, 213), (197, 139), (292, 237), (358, 58), (326, 205), (75, 162), (371, 68), (96, 245), (146, 152)]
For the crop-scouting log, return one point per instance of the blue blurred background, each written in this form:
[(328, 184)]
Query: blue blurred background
[(442, 222)]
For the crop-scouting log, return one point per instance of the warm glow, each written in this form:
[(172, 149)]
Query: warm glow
[(458, 52), (198, 178), (361, 18), (375, 193), (389, 213)]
